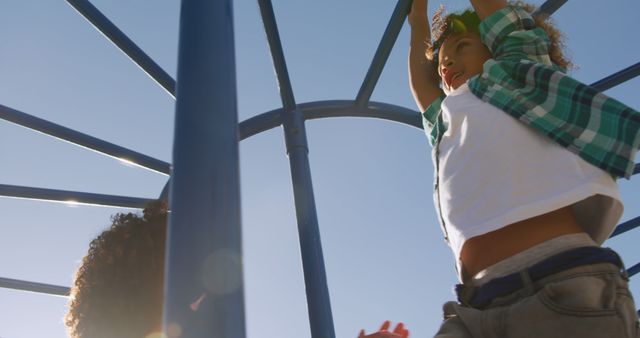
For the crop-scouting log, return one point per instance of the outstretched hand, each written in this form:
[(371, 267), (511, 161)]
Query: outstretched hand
[(383, 332)]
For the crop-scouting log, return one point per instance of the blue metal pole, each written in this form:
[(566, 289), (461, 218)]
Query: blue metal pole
[(83, 140), (115, 35), (74, 197), (318, 302), (277, 55), (549, 7), (626, 226), (382, 53), (204, 283), (164, 194), (633, 270), (23, 285), (617, 78), (315, 278)]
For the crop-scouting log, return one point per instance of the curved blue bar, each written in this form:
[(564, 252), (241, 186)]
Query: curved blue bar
[(378, 110), (332, 108), (259, 123)]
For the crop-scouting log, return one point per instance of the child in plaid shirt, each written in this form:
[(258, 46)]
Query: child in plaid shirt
[(525, 161)]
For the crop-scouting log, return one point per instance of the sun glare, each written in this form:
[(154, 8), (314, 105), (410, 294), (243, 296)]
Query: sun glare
[(126, 162), (72, 203)]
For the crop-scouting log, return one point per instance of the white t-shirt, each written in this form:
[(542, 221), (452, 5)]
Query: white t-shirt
[(494, 171)]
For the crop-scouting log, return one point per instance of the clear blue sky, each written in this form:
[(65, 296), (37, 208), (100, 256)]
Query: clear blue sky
[(384, 253)]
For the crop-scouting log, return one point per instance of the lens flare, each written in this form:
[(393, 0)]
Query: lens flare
[(156, 335), (222, 272), (174, 330)]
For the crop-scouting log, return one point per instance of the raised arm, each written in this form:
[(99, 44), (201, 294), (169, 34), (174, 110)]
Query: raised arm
[(422, 77), (484, 8)]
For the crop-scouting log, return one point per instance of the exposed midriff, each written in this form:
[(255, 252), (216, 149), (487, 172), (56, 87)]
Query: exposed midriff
[(480, 252)]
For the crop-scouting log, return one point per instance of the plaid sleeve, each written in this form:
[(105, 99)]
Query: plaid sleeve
[(521, 80), (512, 34), (431, 120)]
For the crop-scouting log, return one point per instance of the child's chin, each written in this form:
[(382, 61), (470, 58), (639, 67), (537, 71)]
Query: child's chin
[(457, 83)]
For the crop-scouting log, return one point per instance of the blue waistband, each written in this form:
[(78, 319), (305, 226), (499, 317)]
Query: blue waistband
[(480, 297)]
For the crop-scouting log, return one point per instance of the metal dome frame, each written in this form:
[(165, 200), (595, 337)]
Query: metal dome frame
[(211, 51)]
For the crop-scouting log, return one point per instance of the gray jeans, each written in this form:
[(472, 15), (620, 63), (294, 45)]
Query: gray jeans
[(586, 301)]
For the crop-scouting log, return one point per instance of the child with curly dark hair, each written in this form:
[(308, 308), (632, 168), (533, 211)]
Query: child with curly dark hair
[(118, 289), (526, 160)]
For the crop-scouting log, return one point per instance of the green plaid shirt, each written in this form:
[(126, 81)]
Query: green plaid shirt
[(521, 80)]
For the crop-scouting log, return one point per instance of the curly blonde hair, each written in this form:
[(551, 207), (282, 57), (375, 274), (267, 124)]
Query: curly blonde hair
[(443, 26), (118, 288)]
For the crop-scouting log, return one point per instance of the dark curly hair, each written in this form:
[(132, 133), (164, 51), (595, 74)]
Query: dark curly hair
[(118, 288), (444, 25)]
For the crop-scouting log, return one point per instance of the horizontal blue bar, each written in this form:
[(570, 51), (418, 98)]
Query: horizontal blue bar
[(72, 197), (83, 140), (23, 285), (115, 35)]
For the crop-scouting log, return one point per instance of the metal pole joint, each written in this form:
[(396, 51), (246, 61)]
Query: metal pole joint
[(294, 131)]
